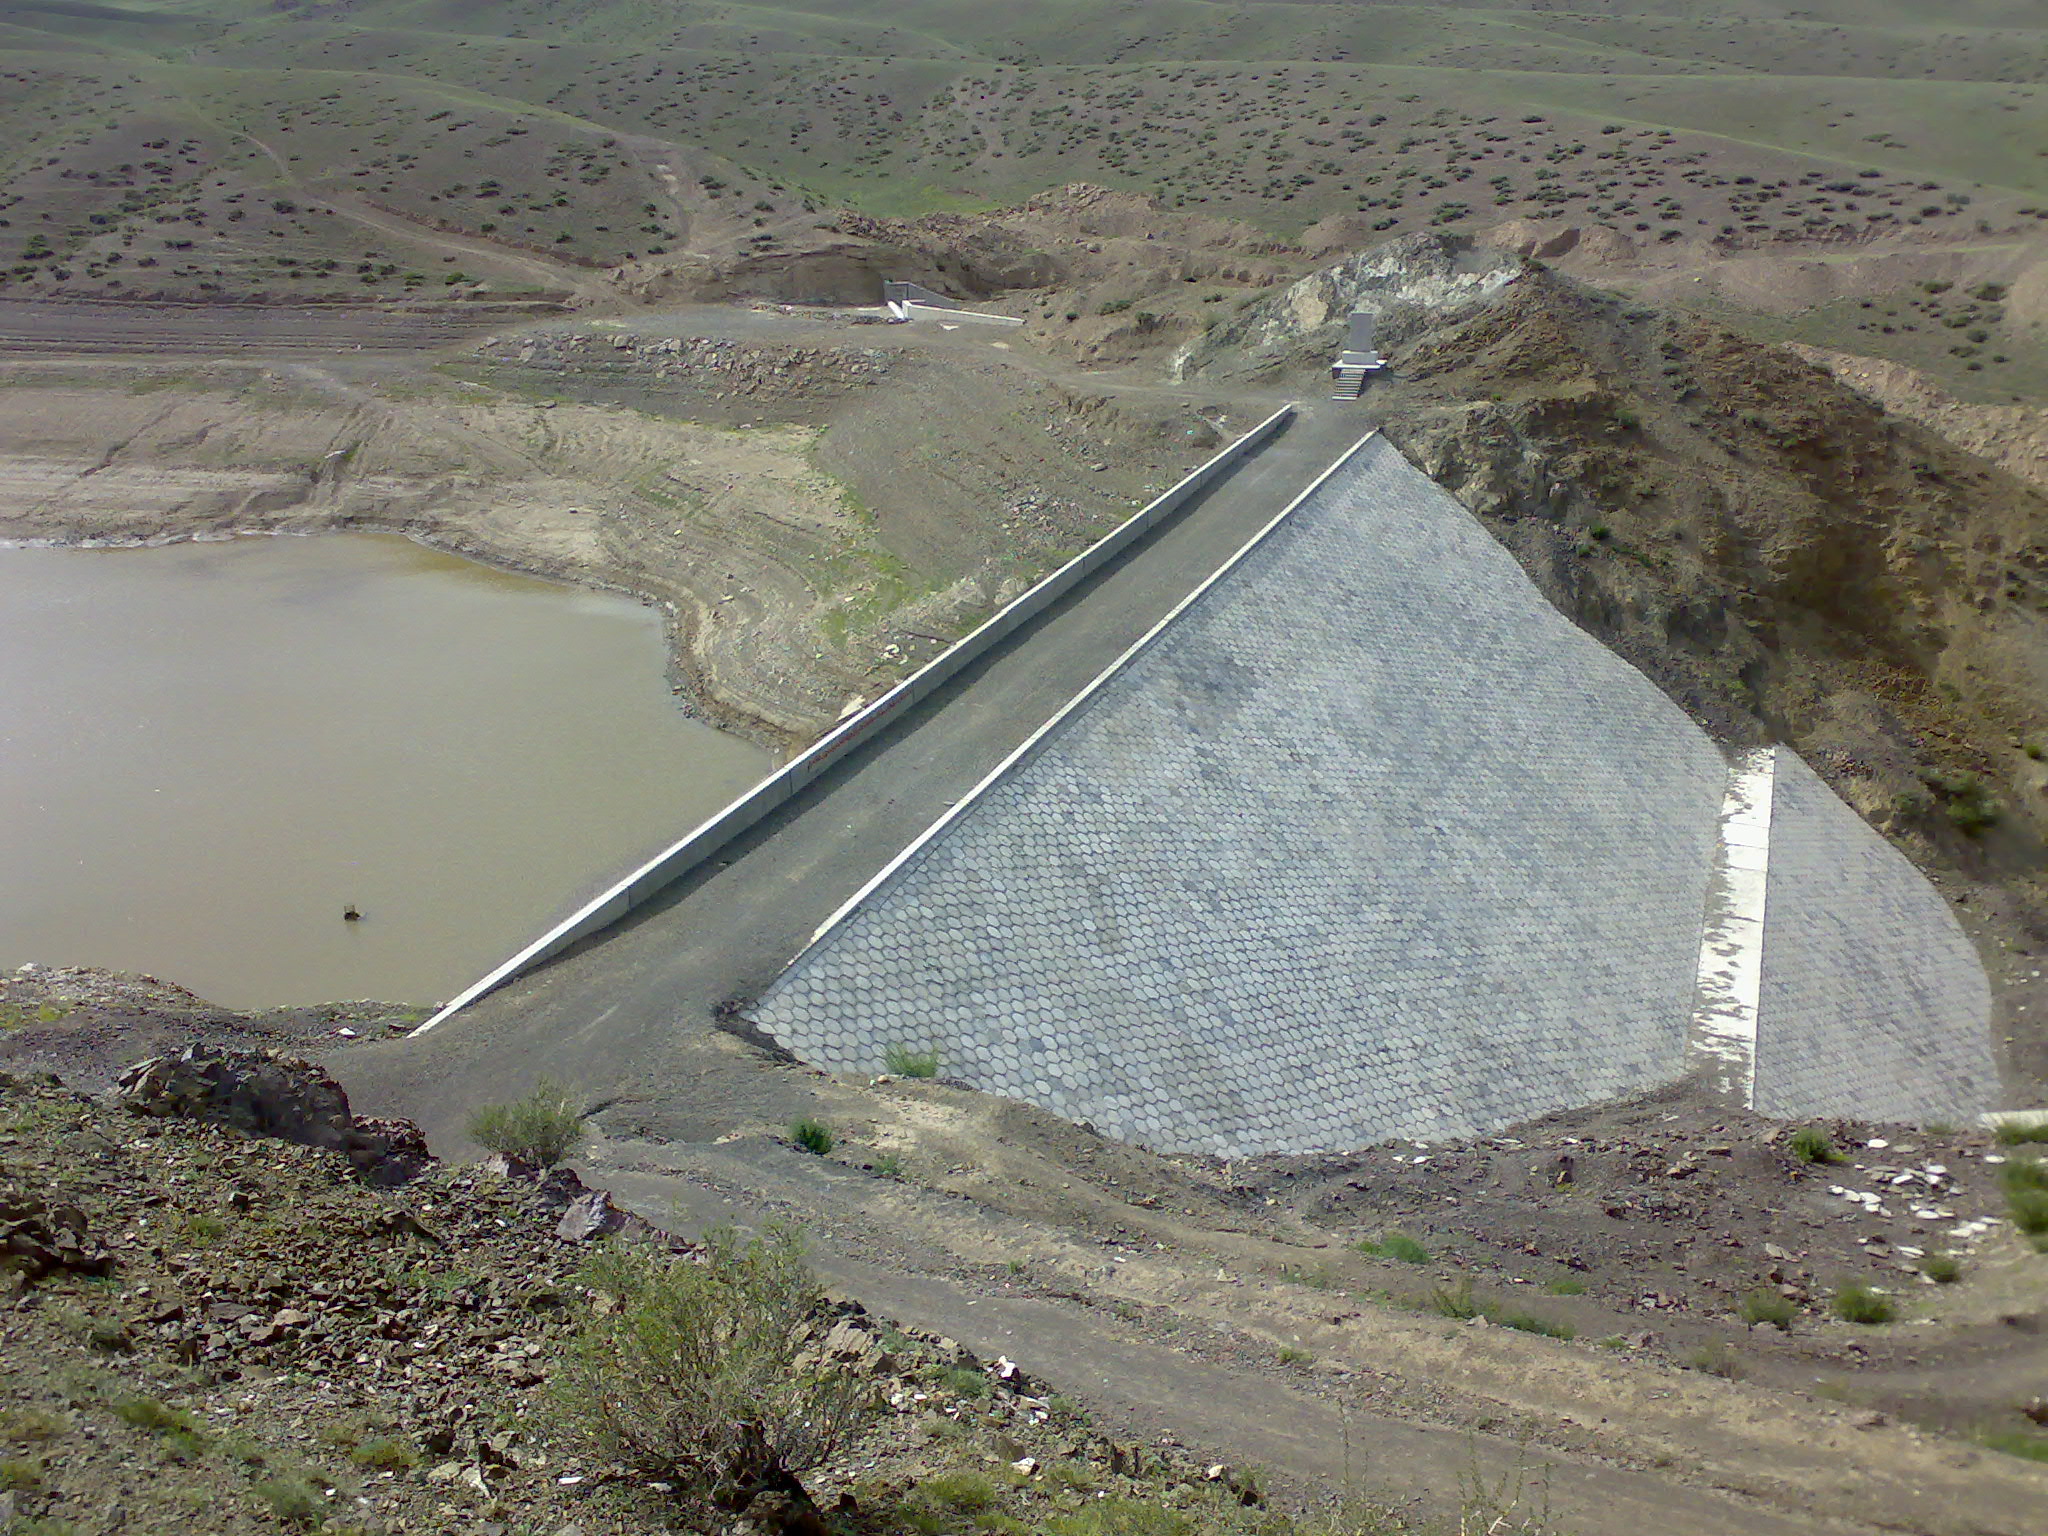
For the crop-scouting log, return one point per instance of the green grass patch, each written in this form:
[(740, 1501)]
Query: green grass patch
[(2026, 1195), (911, 1061), (1766, 1306), (1394, 1245), (1529, 1322), (1860, 1304), (960, 1381), (2027, 1444), (812, 1136), (1811, 1144)]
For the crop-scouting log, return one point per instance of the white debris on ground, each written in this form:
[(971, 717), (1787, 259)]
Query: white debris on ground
[(1916, 1187)]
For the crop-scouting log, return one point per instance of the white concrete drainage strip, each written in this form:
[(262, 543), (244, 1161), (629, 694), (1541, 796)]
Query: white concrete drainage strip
[(1720, 1042)]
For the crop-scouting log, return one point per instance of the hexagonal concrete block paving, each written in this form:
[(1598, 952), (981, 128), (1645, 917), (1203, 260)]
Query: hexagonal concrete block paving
[(1368, 841)]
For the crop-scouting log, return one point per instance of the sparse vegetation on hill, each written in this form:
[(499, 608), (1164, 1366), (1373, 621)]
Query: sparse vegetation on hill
[(241, 1337), (394, 150)]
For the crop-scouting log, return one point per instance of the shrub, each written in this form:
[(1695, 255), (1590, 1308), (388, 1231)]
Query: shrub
[(28, 1425), (812, 1136), (541, 1129), (153, 1413), (1860, 1304), (1568, 1286), (1454, 1301), (387, 1453), (693, 1375), (1811, 1144), (1292, 1354), (2010, 1135), (961, 1382), (1942, 1268), (19, 1474), (291, 1501), (1764, 1306), (1715, 1359), (907, 1061)]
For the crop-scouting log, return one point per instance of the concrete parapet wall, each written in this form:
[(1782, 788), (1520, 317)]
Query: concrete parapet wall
[(861, 727), (956, 316), (1874, 1002)]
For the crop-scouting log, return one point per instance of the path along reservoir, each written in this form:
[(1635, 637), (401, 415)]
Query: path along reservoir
[(209, 751)]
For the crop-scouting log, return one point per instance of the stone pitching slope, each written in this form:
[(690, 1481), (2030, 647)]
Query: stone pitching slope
[(1370, 841)]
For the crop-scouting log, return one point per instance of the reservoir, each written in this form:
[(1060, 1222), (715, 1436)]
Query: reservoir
[(210, 751)]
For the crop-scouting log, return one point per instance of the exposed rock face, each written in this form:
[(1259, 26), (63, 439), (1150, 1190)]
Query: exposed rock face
[(270, 1095), (1410, 283), (1789, 561)]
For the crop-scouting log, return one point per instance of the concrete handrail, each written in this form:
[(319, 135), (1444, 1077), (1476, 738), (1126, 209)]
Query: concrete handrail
[(673, 862)]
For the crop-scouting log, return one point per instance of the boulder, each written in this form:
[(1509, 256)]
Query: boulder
[(590, 1217)]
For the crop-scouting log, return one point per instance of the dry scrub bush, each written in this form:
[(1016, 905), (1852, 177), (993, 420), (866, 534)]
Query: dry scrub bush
[(541, 1129), (703, 1371)]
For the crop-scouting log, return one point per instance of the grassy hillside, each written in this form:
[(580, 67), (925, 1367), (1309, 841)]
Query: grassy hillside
[(381, 147)]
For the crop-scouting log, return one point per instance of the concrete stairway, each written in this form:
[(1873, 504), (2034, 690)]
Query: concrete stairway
[(1349, 381)]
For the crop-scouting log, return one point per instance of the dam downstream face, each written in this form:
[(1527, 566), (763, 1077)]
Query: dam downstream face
[(209, 751)]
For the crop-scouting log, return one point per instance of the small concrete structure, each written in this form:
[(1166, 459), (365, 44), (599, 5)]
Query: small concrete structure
[(1359, 360), (910, 301)]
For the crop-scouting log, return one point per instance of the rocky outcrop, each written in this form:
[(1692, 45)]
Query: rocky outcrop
[(1411, 284), (264, 1094), (39, 1237)]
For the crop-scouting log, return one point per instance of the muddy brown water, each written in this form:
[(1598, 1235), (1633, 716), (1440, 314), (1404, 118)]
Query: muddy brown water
[(209, 751)]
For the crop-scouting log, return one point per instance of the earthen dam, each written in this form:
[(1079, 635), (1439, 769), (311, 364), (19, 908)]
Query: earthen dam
[(1302, 823)]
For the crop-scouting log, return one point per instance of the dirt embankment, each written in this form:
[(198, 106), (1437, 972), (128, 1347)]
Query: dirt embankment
[(2014, 437), (813, 518), (1611, 1252), (224, 1333)]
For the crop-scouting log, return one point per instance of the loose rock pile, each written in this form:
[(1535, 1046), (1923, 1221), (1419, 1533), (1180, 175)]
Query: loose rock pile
[(725, 369), (210, 1325), (271, 1095)]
